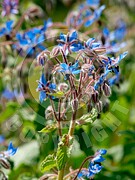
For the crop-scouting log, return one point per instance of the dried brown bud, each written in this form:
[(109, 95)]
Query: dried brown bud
[(106, 89), (99, 106), (95, 96), (74, 104)]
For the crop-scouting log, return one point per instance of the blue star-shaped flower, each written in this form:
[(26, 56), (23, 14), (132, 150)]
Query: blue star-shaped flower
[(7, 29), (95, 165), (44, 87), (69, 69), (70, 42)]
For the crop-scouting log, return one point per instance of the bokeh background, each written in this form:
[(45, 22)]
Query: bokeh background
[(22, 118)]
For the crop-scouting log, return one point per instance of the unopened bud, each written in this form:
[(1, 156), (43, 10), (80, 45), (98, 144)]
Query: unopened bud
[(106, 89), (99, 106), (87, 67), (74, 104), (5, 163), (62, 87), (49, 113), (55, 51), (89, 53), (42, 58), (95, 96), (100, 50)]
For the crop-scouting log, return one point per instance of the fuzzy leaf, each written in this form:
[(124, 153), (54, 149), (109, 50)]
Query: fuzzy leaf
[(88, 118), (58, 94), (48, 129), (62, 152), (48, 163)]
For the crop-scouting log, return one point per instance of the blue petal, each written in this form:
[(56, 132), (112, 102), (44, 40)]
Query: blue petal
[(42, 96), (30, 35), (98, 12), (73, 36), (76, 72), (9, 25), (121, 56), (98, 158), (41, 38), (52, 86), (89, 41), (102, 151), (95, 45), (75, 66), (2, 32), (63, 37), (42, 79), (89, 22), (106, 32), (11, 150), (64, 66)]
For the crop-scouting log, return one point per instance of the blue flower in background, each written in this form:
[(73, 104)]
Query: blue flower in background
[(32, 41), (93, 2), (106, 32), (8, 94), (7, 29), (44, 87), (2, 139), (11, 150), (120, 30), (94, 17), (10, 7)]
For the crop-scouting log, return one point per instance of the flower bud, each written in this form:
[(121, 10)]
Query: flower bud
[(87, 67), (74, 104), (95, 96), (4, 162), (99, 106), (106, 89), (49, 113), (42, 58), (55, 51), (62, 87)]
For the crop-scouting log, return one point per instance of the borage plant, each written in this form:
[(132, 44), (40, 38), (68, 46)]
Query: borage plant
[(75, 77)]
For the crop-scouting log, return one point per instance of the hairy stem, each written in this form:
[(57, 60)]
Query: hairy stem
[(61, 174)]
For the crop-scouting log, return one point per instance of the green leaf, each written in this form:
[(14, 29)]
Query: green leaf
[(88, 118), (48, 129), (58, 94), (48, 163), (62, 152), (10, 110)]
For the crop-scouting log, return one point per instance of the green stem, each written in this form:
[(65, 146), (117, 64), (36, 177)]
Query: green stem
[(72, 124), (61, 174)]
